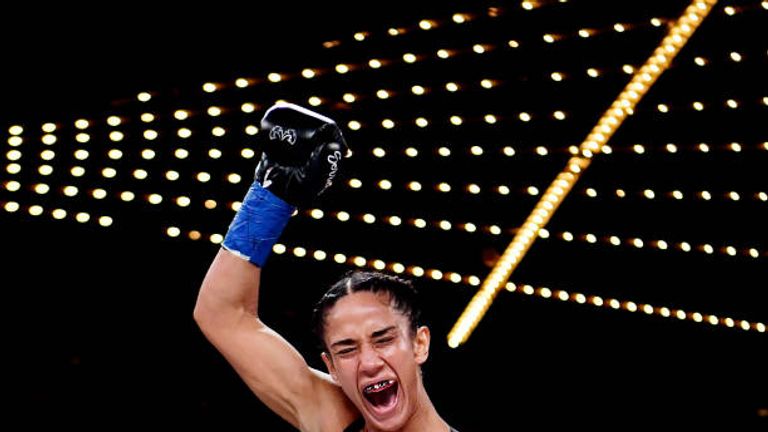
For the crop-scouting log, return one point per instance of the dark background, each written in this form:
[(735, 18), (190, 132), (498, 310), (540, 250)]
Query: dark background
[(61, 58), (98, 328)]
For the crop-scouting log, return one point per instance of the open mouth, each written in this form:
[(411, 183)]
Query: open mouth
[(381, 395)]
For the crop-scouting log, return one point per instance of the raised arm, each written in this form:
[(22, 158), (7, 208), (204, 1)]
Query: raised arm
[(301, 154)]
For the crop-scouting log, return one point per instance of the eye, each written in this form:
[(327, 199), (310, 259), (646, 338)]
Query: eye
[(384, 340), (345, 351)]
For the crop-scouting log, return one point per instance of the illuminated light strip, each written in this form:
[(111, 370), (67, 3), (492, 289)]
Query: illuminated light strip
[(340, 258), (543, 292), (424, 24), (99, 194), (523, 117), (445, 225), (567, 236), (623, 106), (672, 148), (472, 280), (696, 105), (57, 213), (678, 195), (638, 243), (442, 187), (378, 264), (463, 17), (631, 306), (589, 192), (541, 151), (394, 220), (614, 240)]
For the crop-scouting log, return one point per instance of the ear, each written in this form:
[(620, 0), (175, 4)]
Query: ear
[(329, 365), (421, 344)]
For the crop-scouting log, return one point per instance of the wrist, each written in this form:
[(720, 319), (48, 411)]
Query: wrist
[(257, 225)]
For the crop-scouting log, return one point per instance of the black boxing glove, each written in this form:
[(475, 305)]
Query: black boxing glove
[(301, 155)]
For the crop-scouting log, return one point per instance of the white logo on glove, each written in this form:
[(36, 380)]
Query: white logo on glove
[(288, 135), (267, 181), (333, 160)]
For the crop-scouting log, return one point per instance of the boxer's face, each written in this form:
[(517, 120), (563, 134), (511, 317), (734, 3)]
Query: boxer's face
[(375, 358)]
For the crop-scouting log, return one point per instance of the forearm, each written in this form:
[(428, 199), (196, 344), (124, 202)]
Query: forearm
[(229, 291), (232, 282)]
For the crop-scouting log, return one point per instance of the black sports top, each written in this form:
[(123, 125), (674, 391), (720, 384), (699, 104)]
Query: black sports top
[(358, 424)]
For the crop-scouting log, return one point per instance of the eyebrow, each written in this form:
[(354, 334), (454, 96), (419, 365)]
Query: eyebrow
[(377, 333)]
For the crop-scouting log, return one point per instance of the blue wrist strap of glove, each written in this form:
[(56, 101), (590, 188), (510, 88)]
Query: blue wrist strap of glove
[(257, 225)]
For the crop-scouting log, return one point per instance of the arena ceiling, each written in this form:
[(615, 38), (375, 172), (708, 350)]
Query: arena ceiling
[(642, 299)]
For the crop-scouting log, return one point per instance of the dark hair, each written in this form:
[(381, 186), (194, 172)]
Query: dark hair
[(402, 297)]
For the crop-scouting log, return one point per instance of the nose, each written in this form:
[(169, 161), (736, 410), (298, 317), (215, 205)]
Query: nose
[(370, 360)]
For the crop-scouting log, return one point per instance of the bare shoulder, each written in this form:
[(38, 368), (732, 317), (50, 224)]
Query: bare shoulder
[(333, 411)]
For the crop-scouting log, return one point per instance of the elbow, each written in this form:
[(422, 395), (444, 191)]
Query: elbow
[(212, 315), (210, 321), (208, 313), (201, 314), (209, 307)]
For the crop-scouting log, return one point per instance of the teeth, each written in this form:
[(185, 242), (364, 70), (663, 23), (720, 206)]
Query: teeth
[(378, 385)]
